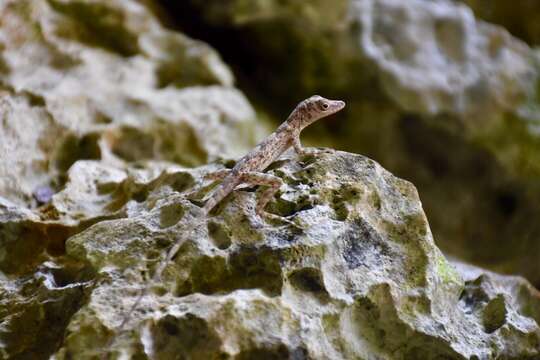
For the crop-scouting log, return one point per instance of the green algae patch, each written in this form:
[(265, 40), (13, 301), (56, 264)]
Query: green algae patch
[(447, 272)]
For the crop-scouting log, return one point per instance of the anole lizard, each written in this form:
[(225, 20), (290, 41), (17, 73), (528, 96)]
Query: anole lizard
[(249, 169)]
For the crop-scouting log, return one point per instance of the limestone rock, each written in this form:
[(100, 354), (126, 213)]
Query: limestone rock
[(36, 309), (102, 111), (435, 57), (353, 274), (435, 95), (99, 80), (105, 80)]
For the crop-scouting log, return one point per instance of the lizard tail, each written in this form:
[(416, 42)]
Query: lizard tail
[(224, 189), (146, 289)]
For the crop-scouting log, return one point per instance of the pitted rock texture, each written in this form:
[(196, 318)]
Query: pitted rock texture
[(102, 108), (35, 309), (435, 57), (105, 80), (101, 80), (353, 274), (435, 95)]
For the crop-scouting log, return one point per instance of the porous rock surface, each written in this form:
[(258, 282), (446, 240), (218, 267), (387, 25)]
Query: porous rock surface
[(101, 111), (353, 274), (105, 80), (437, 96), (100, 80)]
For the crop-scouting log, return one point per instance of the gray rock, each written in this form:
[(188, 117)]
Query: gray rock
[(356, 275), (35, 309), (104, 80), (435, 57), (428, 57), (98, 103)]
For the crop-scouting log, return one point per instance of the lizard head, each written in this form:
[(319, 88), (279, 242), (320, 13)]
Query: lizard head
[(317, 107)]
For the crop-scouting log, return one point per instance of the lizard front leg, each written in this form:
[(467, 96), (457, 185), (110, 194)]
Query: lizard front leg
[(273, 183), (299, 149), (298, 145)]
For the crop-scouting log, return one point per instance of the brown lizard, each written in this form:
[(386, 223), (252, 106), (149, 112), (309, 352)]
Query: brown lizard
[(249, 169)]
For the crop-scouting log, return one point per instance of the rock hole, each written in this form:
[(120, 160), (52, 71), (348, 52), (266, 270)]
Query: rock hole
[(170, 215), (450, 39), (74, 148), (277, 353), (101, 118), (341, 211), (34, 99), (4, 67), (257, 268), (247, 268), (170, 327), (178, 72), (187, 337), (219, 235), (132, 144), (281, 207), (473, 295), (140, 195), (182, 181), (309, 280), (56, 235), (96, 25), (494, 314)]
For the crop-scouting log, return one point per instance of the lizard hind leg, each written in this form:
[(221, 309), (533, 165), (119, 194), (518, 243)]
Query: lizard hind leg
[(217, 175), (213, 176), (272, 182), (221, 191)]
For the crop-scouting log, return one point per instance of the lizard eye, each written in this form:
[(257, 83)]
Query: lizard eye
[(325, 106)]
